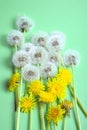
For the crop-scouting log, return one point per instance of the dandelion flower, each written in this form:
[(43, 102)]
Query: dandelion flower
[(54, 58), (38, 55), (48, 69), (55, 114), (71, 57), (67, 105), (20, 58), (58, 84), (27, 103), (27, 47), (30, 72), (57, 88), (24, 23), (40, 38), (15, 38), (35, 87), (46, 97), (14, 82), (55, 43), (64, 76)]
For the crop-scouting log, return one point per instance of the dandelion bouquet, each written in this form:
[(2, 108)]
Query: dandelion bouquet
[(42, 76)]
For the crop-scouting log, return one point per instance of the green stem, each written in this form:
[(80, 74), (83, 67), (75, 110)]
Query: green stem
[(16, 91), (15, 48), (75, 100), (41, 108), (16, 99), (26, 85), (62, 62), (42, 116), (54, 127), (64, 124), (18, 112), (78, 101), (48, 124), (30, 120)]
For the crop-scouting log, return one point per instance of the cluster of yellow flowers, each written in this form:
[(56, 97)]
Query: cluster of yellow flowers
[(46, 92)]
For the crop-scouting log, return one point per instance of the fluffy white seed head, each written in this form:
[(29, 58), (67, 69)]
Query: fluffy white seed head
[(38, 55), (27, 47), (24, 23), (55, 43), (30, 72), (71, 57), (48, 70), (20, 58), (54, 58), (15, 38), (40, 38)]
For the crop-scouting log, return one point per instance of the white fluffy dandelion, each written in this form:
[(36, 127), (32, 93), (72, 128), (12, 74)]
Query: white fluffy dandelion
[(24, 23), (48, 69), (40, 38), (54, 58), (38, 55), (20, 58), (71, 57), (15, 38), (27, 47), (30, 72), (55, 43)]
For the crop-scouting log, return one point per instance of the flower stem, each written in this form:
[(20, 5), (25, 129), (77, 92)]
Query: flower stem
[(42, 116), (54, 127), (78, 101), (41, 107), (62, 62), (18, 112), (30, 120), (16, 99), (75, 100), (16, 91), (64, 124), (48, 124)]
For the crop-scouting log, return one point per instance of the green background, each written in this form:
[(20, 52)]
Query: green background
[(69, 16)]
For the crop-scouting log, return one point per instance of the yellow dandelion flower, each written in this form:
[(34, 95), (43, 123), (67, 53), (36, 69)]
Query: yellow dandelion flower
[(26, 103), (55, 114), (35, 87), (64, 75), (57, 88), (14, 82), (67, 105), (46, 97)]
